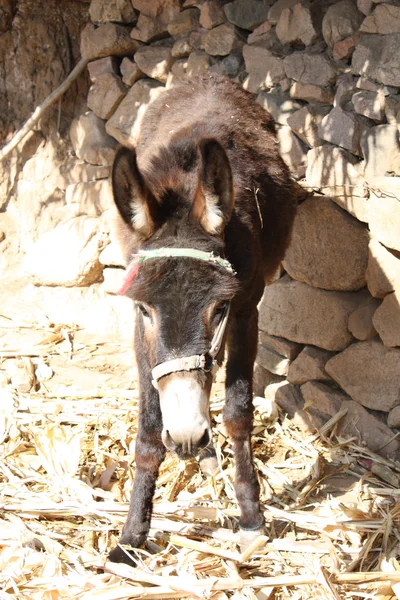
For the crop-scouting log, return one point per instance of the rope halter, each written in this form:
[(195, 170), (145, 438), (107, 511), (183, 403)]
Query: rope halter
[(204, 361)]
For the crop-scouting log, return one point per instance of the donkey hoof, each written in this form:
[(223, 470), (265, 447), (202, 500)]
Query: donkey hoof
[(248, 536), (119, 555), (209, 465)]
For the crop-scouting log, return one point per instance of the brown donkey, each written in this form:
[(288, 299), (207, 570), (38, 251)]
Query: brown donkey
[(208, 206)]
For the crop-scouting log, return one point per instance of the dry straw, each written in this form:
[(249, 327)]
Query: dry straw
[(66, 467)]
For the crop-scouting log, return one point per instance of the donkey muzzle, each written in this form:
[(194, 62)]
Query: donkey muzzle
[(185, 412)]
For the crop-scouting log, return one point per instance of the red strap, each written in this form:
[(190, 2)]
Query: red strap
[(130, 276)]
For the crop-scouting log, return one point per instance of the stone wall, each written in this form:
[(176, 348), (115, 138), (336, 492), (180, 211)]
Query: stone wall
[(329, 73)]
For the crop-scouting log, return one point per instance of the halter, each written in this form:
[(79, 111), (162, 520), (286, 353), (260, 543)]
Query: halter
[(204, 361)]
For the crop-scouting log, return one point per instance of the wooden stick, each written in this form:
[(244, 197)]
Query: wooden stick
[(54, 96)]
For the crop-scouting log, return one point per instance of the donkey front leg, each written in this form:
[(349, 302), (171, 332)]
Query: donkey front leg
[(238, 419), (149, 454)]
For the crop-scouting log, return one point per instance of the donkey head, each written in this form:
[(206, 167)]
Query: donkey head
[(183, 198)]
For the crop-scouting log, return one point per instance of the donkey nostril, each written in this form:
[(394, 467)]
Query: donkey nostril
[(205, 439)]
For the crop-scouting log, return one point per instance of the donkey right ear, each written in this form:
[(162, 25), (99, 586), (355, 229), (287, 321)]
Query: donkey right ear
[(136, 204)]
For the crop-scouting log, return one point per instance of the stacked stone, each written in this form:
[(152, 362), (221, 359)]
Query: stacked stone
[(329, 73)]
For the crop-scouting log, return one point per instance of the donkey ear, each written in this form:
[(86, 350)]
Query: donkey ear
[(135, 203), (213, 203)]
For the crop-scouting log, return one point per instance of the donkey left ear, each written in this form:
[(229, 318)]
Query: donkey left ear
[(213, 202)]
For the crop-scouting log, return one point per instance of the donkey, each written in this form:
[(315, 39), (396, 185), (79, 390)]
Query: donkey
[(207, 205)]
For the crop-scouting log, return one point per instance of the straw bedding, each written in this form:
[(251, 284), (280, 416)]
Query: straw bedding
[(67, 462)]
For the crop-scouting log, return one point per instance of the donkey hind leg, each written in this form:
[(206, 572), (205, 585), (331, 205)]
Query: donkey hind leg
[(238, 419), (149, 454)]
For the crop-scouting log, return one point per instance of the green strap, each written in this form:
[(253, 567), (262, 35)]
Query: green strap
[(144, 255)]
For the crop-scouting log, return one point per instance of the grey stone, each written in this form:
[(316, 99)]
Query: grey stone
[(343, 129), (281, 106), (297, 311), (394, 418), (154, 18), (369, 373), (322, 402), (263, 378), (280, 345), (383, 272), (345, 48), (264, 68), (316, 69), (105, 95), (360, 321), (156, 7), (260, 34), (198, 63), (381, 150), (304, 122), (311, 93), (154, 61), (293, 151), (106, 40), (90, 141), (90, 198), (384, 219), (288, 397), (331, 258), (369, 104), (124, 125), (229, 66), (385, 19), (341, 20), (183, 23), (223, 40), (386, 320), (117, 11), (356, 206), (108, 64), (378, 57), (275, 11), (130, 71), (345, 88), (273, 362), (335, 171), (309, 366), (211, 14), (299, 24), (247, 14), (197, 39), (370, 86), (392, 109), (365, 6), (182, 48), (376, 435)]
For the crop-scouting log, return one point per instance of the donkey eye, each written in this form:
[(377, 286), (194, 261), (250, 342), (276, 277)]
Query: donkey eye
[(144, 310), (219, 310)]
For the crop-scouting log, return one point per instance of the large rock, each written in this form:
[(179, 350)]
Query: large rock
[(280, 345), (322, 401), (333, 257), (369, 104), (108, 64), (90, 141), (385, 19), (343, 129), (271, 361), (278, 7), (369, 373), (211, 14), (223, 40), (316, 69), (105, 95), (246, 14), (309, 366), (311, 93), (130, 71), (293, 151), (335, 171), (360, 423), (341, 20), (264, 68), (288, 397), (183, 23), (299, 24), (90, 198), (360, 321), (154, 61), (69, 254), (279, 105), (304, 123), (124, 125), (386, 319), (383, 272), (229, 66), (378, 57), (394, 417), (345, 48), (384, 219), (106, 40), (381, 150), (154, 18), (297, 311), (116, 11)]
